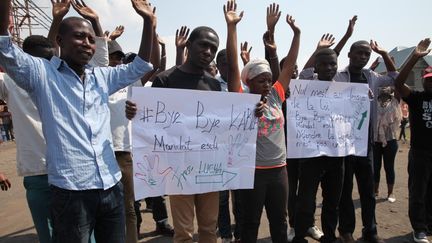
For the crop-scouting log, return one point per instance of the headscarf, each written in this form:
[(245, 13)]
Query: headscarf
[(253, 69)]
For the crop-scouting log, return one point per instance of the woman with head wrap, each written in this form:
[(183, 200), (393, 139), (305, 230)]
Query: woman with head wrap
[(270, 185)]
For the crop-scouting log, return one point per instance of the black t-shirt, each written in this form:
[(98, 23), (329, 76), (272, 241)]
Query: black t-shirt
[(358, 78), (420, 116), (177, 79)]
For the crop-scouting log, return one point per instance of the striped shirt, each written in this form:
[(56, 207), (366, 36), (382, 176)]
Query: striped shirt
[(75, 115)]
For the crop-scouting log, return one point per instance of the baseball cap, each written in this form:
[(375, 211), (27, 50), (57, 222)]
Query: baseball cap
[(427, 72), (114, 47)]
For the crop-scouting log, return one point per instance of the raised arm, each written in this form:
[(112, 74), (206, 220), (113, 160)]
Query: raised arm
[(420, 51), (291, 58), (272, 57), (5, 7), (147, 12), (348, 34), (59, 9), (232, 18), (326, 41), (384, 54), (86, 12), (155, 59), (181, 38)]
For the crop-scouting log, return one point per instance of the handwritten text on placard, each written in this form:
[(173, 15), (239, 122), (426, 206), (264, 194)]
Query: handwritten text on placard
[(327, 118), (188, 141)]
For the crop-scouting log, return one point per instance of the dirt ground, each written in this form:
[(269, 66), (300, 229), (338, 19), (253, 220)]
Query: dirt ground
[(16, 225)]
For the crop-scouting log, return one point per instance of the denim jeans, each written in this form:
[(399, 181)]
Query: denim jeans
[(224, 220), (75, 214), (419, 177), (388, 155), (38, 199)]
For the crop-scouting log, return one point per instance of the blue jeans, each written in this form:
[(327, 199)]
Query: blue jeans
[(76, 214), (38, 199)]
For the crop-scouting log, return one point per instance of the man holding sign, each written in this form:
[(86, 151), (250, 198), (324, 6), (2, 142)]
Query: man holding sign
[(325, 169), (202, 46)]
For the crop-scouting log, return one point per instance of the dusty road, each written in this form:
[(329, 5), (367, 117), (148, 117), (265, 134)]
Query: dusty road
[(16, 225)]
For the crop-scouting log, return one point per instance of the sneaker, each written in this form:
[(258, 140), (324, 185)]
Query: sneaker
[(420, 237), (226, 240), (391, 198), (164, 229), (346, 238), (291, 234), (315, 232)]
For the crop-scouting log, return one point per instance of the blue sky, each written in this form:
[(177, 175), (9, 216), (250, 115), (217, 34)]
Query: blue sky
[(391, 23)]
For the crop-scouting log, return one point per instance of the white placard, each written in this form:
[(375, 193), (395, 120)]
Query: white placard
[(189, 141), (327, 119)]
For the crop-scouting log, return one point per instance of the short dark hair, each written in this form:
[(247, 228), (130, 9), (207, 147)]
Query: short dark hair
[(358, 43), (34, 41), (221, 53), (198, 30), (64, 25), (129, 57), (325, 52), (38, 46)]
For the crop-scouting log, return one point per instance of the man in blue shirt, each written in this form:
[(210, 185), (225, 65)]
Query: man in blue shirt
[(72, 100)]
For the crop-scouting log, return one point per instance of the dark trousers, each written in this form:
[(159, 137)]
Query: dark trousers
[(388, 155), (293, 175), (76, 214), (159, 209), (362, 168), (270, 190), (224, 218), (419, 176), (330, 172)]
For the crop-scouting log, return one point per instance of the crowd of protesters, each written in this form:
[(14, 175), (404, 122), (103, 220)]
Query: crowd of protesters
[(68, 94)]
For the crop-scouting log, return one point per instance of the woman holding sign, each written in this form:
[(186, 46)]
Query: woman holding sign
[(270, 185)]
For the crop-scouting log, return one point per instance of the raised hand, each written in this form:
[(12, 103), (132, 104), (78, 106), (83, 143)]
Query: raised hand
[(351, 25), (376, 48), (327, 40), (4, 182), (421, 49), (84, 10), (144, 9), (244, 52), (230, 11), (181, 37), (291, 21), (273, 15), (60, 8), (117, 32), (269, 42)]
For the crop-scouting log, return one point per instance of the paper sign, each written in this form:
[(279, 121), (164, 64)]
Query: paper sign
[(189, 141), (327, 119)]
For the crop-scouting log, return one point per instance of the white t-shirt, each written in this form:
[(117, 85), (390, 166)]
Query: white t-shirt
[(28, 129), (121, 127)]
